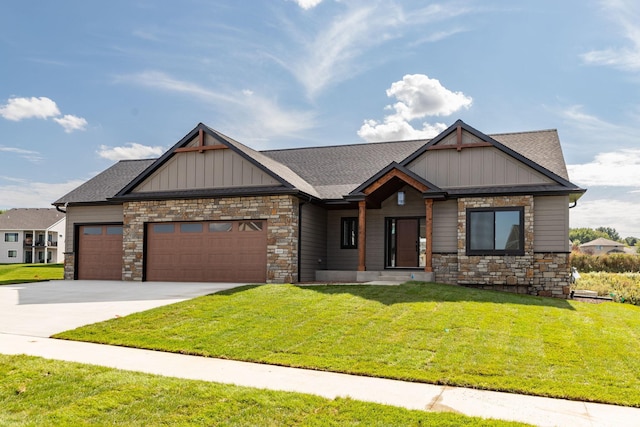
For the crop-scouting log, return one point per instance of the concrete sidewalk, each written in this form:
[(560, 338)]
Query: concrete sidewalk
[(529, 409)]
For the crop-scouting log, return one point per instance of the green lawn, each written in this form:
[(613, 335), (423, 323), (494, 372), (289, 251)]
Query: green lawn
[(23, 273), (36, 392), (419, 332)]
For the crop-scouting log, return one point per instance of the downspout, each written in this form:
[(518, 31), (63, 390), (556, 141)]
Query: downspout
[(300, 237), (60, 210), (574, 205)]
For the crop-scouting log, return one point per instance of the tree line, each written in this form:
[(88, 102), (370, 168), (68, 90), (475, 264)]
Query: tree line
[(579, 236)]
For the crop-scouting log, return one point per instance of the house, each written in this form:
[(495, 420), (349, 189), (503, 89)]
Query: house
[(32, 236), (601, 246), (463, 208)]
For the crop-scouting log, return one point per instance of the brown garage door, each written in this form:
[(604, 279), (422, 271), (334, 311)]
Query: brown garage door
[(220, 251), (100, 252)]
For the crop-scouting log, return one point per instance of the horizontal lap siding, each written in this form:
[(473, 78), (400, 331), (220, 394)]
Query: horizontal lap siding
[(445, 227), (90, 215), (313, 243), (339, 259), (551, 224)]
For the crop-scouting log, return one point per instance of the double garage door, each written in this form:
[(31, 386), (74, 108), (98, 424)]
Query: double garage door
[(210, 251)]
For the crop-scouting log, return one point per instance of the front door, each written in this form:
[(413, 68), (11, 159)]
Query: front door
[(406, 242)]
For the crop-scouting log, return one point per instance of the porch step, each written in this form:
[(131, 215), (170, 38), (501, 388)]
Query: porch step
[(394, 278)]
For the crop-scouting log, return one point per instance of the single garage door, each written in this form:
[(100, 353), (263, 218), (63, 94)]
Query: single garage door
[(211, 251), (100, 252)]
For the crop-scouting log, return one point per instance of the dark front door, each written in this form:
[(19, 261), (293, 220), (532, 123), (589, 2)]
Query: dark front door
[(407, 242)]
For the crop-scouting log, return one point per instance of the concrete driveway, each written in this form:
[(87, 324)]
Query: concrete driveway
[(45, 308)]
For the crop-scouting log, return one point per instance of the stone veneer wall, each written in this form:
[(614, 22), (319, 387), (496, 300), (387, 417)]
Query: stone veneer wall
[(544, 274), (281, 213), (445, 267), (69, 265)]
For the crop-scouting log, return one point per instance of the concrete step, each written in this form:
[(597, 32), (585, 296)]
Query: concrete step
[(394, 278)]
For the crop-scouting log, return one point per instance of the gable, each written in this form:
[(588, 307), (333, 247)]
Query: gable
[(474, 167), (196, 168)]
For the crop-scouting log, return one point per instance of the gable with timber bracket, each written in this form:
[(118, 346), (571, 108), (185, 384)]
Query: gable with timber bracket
[(462, 157)]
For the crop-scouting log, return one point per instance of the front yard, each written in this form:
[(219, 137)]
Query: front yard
[(25, 273), (36, 391), (419, 332)]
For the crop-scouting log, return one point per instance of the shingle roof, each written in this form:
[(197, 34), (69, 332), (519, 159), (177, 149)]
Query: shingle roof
[(601, 241), (336, 170), (327, 172), (106, 184), (29, 218)]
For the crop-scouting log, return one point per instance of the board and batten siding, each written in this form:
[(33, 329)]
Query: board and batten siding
[(474, 167), (313, 243), (209, 169), (90, 215), (551, 224)]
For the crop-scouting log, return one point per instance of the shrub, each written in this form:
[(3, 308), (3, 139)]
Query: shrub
[(614, 263), (622, 287)]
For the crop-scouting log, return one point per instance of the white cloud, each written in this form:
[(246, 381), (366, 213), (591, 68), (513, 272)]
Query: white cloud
[(130, 151), (418, 97), (18, 109), (618, 168), (615, 213), (32, 156), (24, 193), (625, 15), (251, 115), (308, 4), (70, 123)]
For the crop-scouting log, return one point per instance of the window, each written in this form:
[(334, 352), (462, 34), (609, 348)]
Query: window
[(498, 231), (113, 230), (191, 227), (250, 226), (10, 237), (92, 231), (220, 227), (13, 254), (349, 233), (163, 228)]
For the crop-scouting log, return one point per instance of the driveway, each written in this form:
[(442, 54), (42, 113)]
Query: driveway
[(45, 308)]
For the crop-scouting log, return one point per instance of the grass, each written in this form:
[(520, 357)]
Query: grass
[(418, 332), (623, 287), (24, 273), (35, 391)]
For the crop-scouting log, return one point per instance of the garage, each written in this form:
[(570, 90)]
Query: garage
[(208, 251), (99, 252)]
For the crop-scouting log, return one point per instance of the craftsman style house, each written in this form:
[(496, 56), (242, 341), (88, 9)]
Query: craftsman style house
[(462, 208)]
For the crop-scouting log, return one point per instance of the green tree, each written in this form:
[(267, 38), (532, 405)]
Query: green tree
[(584, 235), (631, 241), (611, 232)]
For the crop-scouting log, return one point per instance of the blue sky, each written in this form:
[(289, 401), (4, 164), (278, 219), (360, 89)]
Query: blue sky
[(84, 84)]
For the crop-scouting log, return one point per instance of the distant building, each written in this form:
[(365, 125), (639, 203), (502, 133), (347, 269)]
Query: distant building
[(32, 236), (601, 246)]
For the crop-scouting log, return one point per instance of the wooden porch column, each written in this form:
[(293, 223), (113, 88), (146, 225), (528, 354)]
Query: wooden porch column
[(428, 267), (362, 233)]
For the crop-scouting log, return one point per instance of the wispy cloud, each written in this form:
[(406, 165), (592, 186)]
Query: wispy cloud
[(17, 109), (24, 193), (625, 14), (418, 97), (132, 150), (32, 156), (252, 115), (337, 50)]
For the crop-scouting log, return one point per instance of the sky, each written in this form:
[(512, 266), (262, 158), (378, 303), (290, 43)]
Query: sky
[(84, 84)]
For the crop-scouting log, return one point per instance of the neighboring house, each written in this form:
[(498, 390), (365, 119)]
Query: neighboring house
[(601, 246), (463, 208), (32, 236)]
